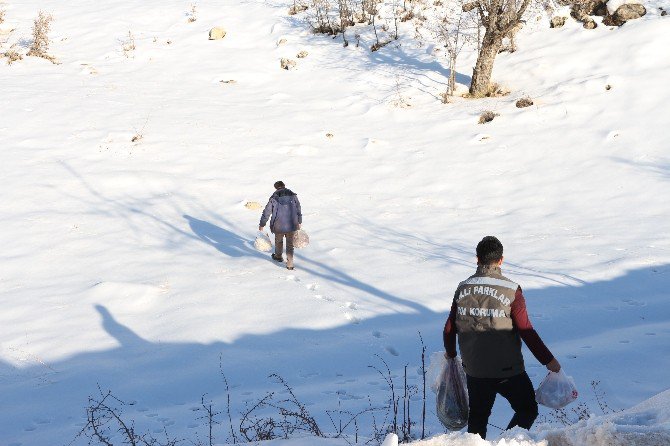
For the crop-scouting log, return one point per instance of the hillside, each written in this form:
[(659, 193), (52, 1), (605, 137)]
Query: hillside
[(128, 261)]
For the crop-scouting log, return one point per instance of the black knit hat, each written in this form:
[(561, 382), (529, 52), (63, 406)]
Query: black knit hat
[(279, 185)]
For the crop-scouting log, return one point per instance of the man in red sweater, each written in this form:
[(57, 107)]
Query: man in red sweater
[(489, 315)]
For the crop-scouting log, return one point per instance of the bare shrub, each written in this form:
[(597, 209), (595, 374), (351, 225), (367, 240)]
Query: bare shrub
[(2, 15), (105, 423), (225, 382), (139, 134), (40, 44), (293, 417), (487, 116), (493, 90), (210, 418), (192, 15), (302, 54), (455, 28), (297, 8), (400, 101), (12, 56), (321, 18), (278, 414), (567, 417), (400, 405), (129, 45), (445, 96)]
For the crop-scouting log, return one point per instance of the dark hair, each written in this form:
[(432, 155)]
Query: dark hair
[(279, 185), (489, 250)]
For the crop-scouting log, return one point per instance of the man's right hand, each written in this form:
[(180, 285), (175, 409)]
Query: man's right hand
[(260, 228), (553, 366)]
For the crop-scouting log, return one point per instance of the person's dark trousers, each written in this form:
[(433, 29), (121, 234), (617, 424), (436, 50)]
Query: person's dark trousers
[(518, 390)]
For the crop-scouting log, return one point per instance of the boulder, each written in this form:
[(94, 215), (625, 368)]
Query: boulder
[(589, 23), (581, 8), (601, 10), (217, 33), (253, 205), (557, 22), (630, 11), (287, 64), (610, 20), (624, 13), (524, 102)]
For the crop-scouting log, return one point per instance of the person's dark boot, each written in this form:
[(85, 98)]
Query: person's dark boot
[(278, 259)]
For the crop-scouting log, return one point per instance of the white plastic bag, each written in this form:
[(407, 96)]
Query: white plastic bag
[(557, 390), (263, 242), (450, 385), (300, 239)]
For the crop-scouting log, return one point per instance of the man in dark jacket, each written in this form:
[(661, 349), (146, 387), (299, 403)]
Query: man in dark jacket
[(489, 315), (286, 219)]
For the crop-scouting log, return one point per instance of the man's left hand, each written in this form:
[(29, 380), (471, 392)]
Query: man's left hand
[(554, 366)]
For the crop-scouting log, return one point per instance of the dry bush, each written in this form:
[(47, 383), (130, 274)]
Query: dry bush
[(297, 8), (129, 45), (40, 45), (322, 18), (487, 116), (2, 15), (139, 134), (568, 417), (290, 417), (445, 97), (12, 56), (192, 17), (493, 90), (106, 423)]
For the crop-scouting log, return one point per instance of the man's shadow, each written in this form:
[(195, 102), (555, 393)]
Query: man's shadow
[(223, 240)]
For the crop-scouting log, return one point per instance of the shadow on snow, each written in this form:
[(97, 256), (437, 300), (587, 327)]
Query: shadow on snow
[(167, 379)]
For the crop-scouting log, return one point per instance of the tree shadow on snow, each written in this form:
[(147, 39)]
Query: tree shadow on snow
[(164, 380), (408, 66)]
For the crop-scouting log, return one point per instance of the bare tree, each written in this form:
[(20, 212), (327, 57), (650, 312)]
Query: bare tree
[(454, 28), (499, 18), (346, 18)]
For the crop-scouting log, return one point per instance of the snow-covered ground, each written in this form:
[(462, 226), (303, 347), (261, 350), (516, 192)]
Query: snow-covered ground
[(129, 265)]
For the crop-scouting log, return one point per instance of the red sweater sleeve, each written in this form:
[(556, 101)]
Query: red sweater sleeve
[(526, 330), (449, 335)]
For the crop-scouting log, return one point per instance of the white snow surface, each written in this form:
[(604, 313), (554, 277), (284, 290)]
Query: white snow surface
[(129, 265)]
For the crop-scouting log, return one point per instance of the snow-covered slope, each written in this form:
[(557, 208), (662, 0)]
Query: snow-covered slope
[(129, 264)]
